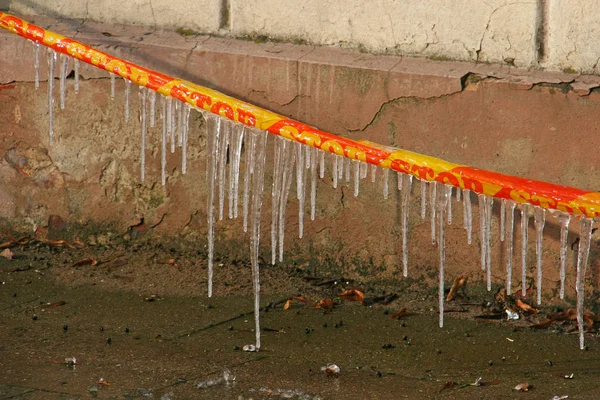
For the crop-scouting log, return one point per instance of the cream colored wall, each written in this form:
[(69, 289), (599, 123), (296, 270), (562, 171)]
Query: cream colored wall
[(546, 34)]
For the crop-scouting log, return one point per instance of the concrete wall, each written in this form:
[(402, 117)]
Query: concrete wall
[(540, 125), (546, 34)]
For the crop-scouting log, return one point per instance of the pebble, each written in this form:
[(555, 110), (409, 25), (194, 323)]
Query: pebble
[(490, 363), (108, 341), (404, 337), (126, 330), (379, 374), (65, 328), (35, 317)]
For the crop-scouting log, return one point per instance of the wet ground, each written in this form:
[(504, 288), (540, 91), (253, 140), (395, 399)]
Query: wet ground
[(137, 323)]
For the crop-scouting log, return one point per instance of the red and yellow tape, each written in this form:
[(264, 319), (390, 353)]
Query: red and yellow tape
[(543, 194)]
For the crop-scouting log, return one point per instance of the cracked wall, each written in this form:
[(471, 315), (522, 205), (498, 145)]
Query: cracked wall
[(541, 34), (489, 116)]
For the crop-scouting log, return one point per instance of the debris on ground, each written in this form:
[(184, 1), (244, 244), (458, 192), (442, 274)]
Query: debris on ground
[(400, 314), (249, 348), (85, 261), (70, 361), (325, 304), (523, 387), (228, 378), (352, 295), (459, 283), (331, 370), (7, 253)]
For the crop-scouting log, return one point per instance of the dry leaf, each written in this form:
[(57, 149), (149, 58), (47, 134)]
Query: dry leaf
[(325, 304), (287, 304), (399, 314), (6, 253), (103, 382), (458, 283), (85, 261), (526, 307), (352, 295)]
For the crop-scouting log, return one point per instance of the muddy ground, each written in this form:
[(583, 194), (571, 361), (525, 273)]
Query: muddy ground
[(139, 325)]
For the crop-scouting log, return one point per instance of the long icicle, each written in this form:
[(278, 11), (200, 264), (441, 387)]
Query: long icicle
[(334, 167), (356, 176), (249, 160), (524, 230), (386, 175), (489, 205), (36, 64), (143, 124), (300, 192), (449, 206), (502, 219), (433, 201), (321, 164), (442, 201), (510, 224), (482, 225), (278, 145), (76, 72), (563, 219), (234, 164), (127, 92), (313, 180), (51, 63), (113, 83), (582, 257), (163, 148), (186, 132), (289, 157), (539, 217), (407, 183), (257, 192), (423, 198), (62, 76), (222, 165), (238, 162), (213, 133), (468, 215), (152, 107)]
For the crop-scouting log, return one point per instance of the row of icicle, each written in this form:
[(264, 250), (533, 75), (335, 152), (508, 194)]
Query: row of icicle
[(226, 140)]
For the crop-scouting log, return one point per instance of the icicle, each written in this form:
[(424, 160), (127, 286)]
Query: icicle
[(173, 124), (235, 150), (386, 175), (306, 156), (433, 202), (222, 165), (524, 228), (313, 182), (489, 205), (399, 176), (347, 169), (113, 81), (163, 148), (423, 198), (36, 64), (279, 147), (502, 219), (300, 192), (468, 217), (364, 170), (373, 172), (335, 170), (62, 75), (539, 218), (458, 194), (356, 176), (510, 223), (249, 167), (289, 158), (563, 220), (257, 192), (442, 200), (449, 211), (482, 226), (152, 107), (582, 257), (340, 166), (181, 108), (76, 68), (127, 91), (321, 164), (186, 131), (213, 136), (142, 94), (51, 64), (407, 183), (169, 101)]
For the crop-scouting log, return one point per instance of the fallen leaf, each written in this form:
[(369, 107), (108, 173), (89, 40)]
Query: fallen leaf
[(458, 283), (526, 307), (85, 261), (287, 304), (352, 295), (523, 387), (325, 304), (399, 314), (6, 253), (103, 382)]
